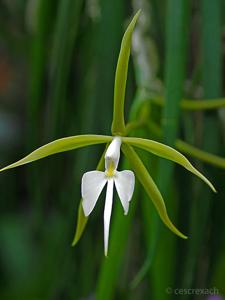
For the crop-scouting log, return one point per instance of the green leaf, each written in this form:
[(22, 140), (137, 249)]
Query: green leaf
[(61, 145), (81, 219), (150, 187), (168, 153), (118, 123)]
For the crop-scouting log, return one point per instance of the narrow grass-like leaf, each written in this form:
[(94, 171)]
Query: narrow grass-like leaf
[(118, 123), (168, 153), (61, 145), (150, 187)]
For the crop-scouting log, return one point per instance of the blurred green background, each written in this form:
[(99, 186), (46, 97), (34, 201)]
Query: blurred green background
[(57, 65)]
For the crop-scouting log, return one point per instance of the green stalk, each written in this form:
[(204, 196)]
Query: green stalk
[(194, 104), (212, 80), (176, 43), (61, 60), (38, 62)]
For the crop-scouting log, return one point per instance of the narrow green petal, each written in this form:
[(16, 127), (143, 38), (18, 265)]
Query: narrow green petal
[(81, 219), (81, 224), (61, 145), (118, 124), (168, 153), (150, 187)]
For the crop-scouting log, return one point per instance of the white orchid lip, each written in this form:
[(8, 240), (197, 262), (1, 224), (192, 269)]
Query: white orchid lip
[(93, 183)]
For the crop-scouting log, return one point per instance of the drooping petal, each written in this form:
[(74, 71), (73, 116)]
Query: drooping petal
[(168, 153), (124, 182), (92, 184), (150, 187), (107, 213)]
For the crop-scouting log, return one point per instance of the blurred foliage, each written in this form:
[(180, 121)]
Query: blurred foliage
[(57, 65)]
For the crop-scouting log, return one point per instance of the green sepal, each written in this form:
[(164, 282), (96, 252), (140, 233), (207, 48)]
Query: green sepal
[(81, 219), (81, 224), (61, 145), (167, 152), (150, 187), (118, 123)]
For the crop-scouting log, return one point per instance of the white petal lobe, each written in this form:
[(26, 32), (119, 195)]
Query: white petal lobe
[(107, 213), (92, 184), (124, 182)]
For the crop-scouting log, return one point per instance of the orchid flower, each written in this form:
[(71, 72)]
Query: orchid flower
[(93, 182)]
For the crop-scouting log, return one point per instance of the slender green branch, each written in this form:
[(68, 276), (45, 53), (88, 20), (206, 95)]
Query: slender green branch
[(192, 104), (132, 126), (200, 154)]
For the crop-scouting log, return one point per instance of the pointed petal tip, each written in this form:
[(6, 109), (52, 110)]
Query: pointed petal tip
[(107, 213), (214, 189), (74, 242), (210, 185), (185, 237), (75, 239), (138, 12), (136, 16), (180, 234), (4, 169)]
